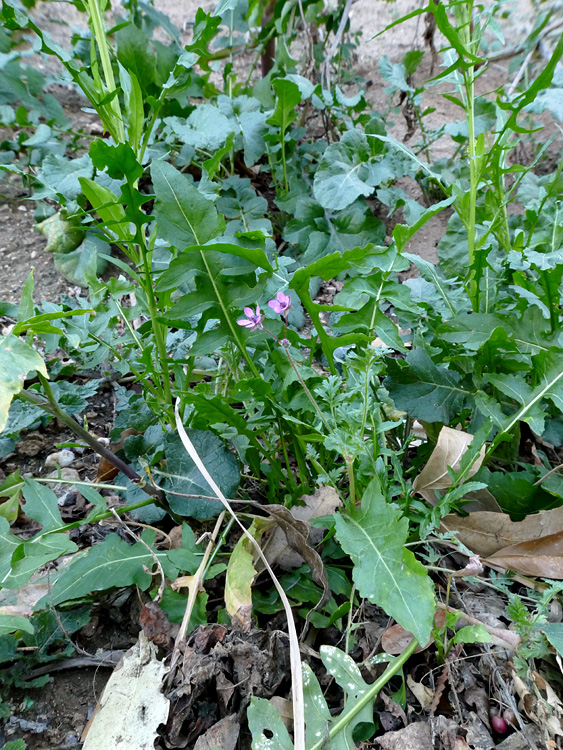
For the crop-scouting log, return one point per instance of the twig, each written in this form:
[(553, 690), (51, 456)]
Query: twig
[(521, 71), (55, 410), (105, 659), (325, 77), (549, 473), (194, 584)]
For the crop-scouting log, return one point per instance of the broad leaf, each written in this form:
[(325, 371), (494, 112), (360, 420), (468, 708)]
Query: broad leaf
[(384, 571), (185, 477), (114, 562), (264, 717), (10, 623), (183, 215), (41, 505), (17, 358), (425, 391)]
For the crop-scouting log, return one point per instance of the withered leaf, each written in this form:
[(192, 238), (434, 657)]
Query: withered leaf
[(485, 533), (296, 533), (449, 450), (535, 557)]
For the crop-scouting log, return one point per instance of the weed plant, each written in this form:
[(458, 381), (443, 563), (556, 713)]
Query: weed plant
[(220, 215)]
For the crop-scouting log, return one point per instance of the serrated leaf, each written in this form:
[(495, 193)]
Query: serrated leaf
[(17, 359), (384, 571), (111, 563), (183, 215)]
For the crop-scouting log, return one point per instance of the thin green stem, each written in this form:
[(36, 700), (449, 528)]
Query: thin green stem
[(369, 695)]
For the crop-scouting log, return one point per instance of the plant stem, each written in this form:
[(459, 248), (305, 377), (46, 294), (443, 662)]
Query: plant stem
[(103, 48), (53, 408), (369, 695)]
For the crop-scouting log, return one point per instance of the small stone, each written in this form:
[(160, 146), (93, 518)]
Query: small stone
[(104, 441), (23, 209), (69, 475), (33, 254), (61, 458), (91, 414), (67, 498)]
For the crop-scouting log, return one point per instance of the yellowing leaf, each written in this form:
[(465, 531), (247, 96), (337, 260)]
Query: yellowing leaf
[(238, 584)]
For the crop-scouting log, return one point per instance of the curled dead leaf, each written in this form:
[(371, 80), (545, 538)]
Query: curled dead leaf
[(541, 557), (486, 533), (449, 450)]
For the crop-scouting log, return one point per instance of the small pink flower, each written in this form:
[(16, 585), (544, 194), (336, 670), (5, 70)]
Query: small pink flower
[(281, 304), (253, 319)]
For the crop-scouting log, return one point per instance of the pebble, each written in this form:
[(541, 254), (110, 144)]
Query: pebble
[(61, 458), (70, 475), (33, 254)]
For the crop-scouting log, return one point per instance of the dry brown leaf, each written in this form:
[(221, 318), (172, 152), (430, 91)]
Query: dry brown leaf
[(423, 694), (324, 502), (546, 711), (27, 598), (536, 557), (223, 734), (395, 639), (415, 736), (486, 533), (449, 450)]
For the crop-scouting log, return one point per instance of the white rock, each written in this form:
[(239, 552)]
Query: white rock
[(61, 458)]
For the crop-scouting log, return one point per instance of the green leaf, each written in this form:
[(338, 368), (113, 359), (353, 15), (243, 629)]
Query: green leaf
[(11, 488), (472, 634), (384, 571), (553, 631), (344, 174), (119, 161), (111, 563), (184, 216), (35, 553), (207, 128), (288, 97), (403, 233), (212, 165), (107, 206), (60, 176), (17, 359), (317, 713), (83, 265), (425, 391), (10, 623), (263, 716), (185, 477)]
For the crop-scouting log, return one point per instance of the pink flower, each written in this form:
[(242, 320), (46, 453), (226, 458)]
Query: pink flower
[(281, 304), (253, 319)]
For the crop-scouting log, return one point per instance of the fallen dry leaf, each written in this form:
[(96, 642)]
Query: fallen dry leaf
[(541, 557), (422, 693), (544, 710), (415, 736), (132, 705), (223, 734), (27, 598), (395, 639), (449, 450), (324, 502), (486, 533)]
